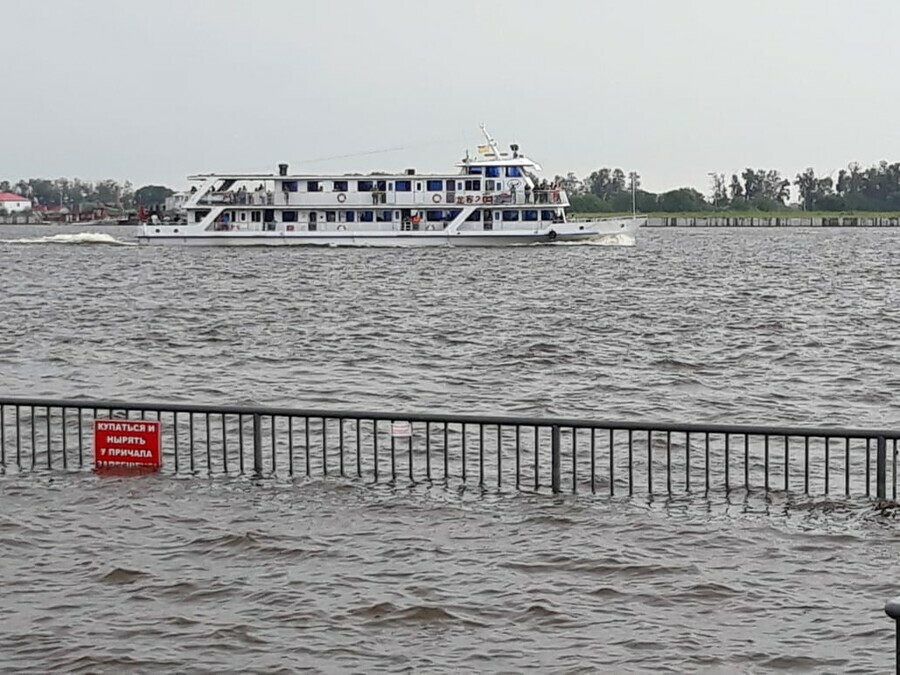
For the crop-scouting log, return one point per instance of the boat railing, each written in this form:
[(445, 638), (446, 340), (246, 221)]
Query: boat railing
[(381, 197), (256, 197), (559, 454)]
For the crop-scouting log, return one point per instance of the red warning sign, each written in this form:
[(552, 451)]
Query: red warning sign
[(127, 443)]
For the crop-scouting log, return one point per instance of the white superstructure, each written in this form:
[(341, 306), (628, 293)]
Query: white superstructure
[(493, 199)]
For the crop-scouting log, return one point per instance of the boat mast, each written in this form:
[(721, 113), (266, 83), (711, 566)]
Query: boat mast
[(491, 142)]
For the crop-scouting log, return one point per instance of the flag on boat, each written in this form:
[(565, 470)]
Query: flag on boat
[(484, 149)]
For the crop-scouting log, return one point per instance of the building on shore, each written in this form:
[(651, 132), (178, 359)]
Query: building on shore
[(13, 203)]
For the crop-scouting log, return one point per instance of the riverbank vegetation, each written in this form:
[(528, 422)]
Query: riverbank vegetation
[(753, 192), (74, 192)]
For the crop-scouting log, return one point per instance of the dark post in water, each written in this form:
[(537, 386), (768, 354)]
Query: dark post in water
[(257, 445), (554, 460), (881, 469)]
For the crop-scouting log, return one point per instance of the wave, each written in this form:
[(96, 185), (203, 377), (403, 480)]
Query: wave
[(603, 240), (77, 238)]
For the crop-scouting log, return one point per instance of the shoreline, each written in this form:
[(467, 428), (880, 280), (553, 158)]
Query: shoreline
[(653, 221), (657, 220)]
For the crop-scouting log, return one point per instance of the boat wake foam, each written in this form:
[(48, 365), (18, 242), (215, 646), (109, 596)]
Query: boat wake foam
[(606, 240), (78, 238)]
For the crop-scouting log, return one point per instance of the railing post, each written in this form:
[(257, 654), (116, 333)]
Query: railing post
[(555, 462), (257, 445), (892, 609), (881, 469)]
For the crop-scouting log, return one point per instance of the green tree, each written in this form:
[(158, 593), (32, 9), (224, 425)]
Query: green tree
[(589, 203), (617, 182), (571, 183), (813, 190), (736, 189), (719, 190), (152, 195), (682, 199), (599, 183)]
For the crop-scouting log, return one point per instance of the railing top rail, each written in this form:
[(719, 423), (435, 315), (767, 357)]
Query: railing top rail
[(452, 418)]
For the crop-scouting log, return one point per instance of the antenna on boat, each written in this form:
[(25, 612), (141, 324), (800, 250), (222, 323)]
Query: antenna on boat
[(491, 142)]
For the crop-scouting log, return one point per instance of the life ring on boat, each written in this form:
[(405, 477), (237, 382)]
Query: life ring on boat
[(552, 235), (341, 227), (436, 199), (341, 197)]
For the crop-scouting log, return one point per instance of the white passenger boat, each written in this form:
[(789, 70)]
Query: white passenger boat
[(493, 199)]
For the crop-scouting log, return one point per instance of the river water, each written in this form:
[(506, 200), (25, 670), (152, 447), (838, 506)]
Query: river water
[(160, 574)]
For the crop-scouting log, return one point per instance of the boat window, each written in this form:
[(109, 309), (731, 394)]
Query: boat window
[(434, 185), (451, 185), (290, 186), (434, 215), (403, 186), (475, 170), (331, 216), (366, 216), (384, 216), (364, 186), (451, 215), (419, 186), (289, 216), (510, 215), (475, 216), (513, 172), (473, 184), (255, 216), (529, 215), (382, 185), (243, 216), (340, 186), (546, 215), (350, 216), (312, 186), (492, 171)]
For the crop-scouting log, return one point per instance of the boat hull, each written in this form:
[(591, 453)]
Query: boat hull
[(562, 233)]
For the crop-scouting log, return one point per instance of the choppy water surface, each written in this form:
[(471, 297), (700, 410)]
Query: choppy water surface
[(796, 327)]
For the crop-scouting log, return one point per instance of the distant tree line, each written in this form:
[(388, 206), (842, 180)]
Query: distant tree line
[(75, 193), (606, 190), (855, 189)]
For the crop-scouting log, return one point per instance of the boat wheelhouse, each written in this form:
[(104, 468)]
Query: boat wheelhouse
[(494, 198)]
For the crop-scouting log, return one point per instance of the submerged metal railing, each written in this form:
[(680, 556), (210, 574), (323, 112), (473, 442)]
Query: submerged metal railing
[(527, 453)]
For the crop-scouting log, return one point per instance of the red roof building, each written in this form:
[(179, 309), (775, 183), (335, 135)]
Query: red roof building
[(12, 203), (10, 197)]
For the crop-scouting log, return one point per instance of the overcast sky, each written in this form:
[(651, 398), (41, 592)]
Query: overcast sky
[(675, 89)]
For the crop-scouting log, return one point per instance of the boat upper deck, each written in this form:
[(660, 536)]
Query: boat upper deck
[(491, 178)]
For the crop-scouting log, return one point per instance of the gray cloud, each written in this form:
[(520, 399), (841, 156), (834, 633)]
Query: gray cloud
[(153, 91)]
